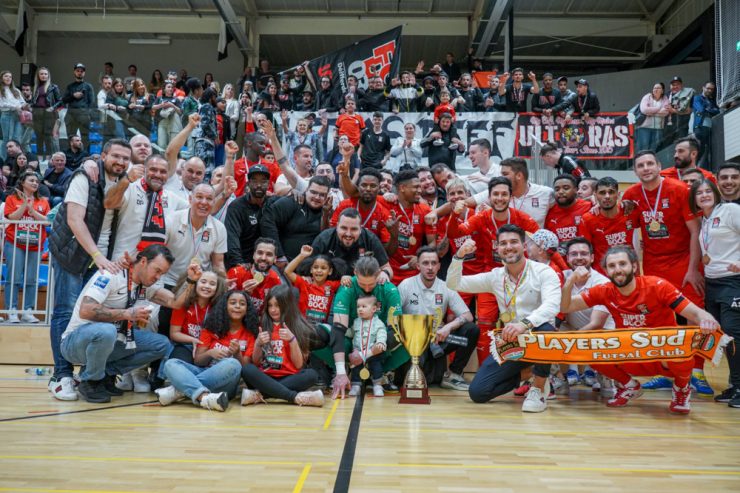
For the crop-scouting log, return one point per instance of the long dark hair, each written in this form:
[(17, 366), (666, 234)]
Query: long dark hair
[(338, 266), (193, 297), (290, 315), (218, 321)]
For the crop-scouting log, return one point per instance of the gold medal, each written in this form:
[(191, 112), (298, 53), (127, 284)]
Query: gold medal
[(259, 277), (505, 317), (654, 226), (412, 241), (195, 260), (706, 259), (364, 373)]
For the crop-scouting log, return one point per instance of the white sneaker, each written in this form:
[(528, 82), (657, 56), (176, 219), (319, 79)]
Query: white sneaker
[(535, 402), (140, 378), (215, 401), (63, 389), (314, 398), (438, 142), (454, 381), (378, 390), (168, 395), (250, 396), (354, 391), (28, 318), (13, 318), (125, 383)]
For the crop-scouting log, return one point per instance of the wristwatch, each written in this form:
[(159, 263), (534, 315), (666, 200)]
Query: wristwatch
[(529, 325)]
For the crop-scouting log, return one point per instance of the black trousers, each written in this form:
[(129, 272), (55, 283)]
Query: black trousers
[(285, 388), (722, 300), (78, 119)]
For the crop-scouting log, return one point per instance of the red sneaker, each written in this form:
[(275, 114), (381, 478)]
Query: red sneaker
[(523, 389), (681, 400), (624, 395)]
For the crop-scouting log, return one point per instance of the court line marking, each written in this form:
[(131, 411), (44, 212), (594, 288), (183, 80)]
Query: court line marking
[(327, 423), (302, 479), (206, 426), (528, 467), (44, 490), (344, 473), (20, 418), (163, 460)]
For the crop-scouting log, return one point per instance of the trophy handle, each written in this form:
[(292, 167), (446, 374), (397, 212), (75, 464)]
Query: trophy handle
[(393, 324), (438, 317)]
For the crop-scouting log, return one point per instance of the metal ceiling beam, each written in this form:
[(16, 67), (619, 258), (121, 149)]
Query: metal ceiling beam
[(493, 26), (234, 26), (5, 31), (661, 10)]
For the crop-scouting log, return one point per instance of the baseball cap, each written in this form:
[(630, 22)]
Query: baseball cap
[(545, 239), (583, 82), (562, 77), (676, 78), (80, 65), (258, 168)]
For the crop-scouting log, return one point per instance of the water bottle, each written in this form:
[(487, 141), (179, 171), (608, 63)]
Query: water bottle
[(39, 372)]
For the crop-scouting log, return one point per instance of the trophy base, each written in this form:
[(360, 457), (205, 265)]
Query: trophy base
[(414, 396)]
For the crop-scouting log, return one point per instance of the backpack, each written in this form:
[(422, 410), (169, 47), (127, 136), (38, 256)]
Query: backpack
[(637, 114)]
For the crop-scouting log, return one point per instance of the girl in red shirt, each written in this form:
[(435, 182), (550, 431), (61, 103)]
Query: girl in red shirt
[(22, 243), (186, 322), (280, 354), (318, 286), (227, 343)]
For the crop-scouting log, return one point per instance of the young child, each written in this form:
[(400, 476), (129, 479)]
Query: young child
[(228, 342), (350, 124), (316, 293), (280, 354), (369, 337), (445, 106)]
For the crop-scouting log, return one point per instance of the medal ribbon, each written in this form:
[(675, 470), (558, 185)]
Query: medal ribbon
[(511, 299), (653, 210), (370, 214), (495, 224), (705, 222), (365, 347)]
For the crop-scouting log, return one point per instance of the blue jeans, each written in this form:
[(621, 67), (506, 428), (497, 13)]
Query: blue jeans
[(21, 267), (96, 347), (493, 380), (648, 138), (67, 288), (193, 380), (10, 126)]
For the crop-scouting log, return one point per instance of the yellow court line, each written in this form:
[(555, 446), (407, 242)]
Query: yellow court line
[(528, 467), (327, 423), (558, 433), (302, 479), (161, 460)]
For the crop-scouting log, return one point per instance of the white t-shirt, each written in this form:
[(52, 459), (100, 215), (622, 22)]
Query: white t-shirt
[(477, 182), (184, 243), (79, 193), (536, 202), (110, 291), (720, 239), (417, 299), (132, 214), (174, 185), (579, 319)]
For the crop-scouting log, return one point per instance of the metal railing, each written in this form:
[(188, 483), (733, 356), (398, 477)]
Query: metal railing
[(26, 273)]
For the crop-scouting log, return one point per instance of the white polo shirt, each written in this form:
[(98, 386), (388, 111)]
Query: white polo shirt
[(720, 240), (175, 186), (78, 192), (185, 244), (579, 319), (417, 299), (132, 214), (477, 182), (536, 202)]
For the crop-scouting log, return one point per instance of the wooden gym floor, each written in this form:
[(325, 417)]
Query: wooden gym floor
[(577, 445)]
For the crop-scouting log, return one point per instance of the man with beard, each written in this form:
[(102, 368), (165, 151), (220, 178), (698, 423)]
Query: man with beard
[(79, 98), (373, 215), (527, 294), (610, 226), (547, 98), (685, 157), (472, 96), (554, 157), (257, 279), (704, 107), (447, 153), (81, 238), (567, 97), (350, 241), (141, 148), (516, 93), (386, 182), (528, 197), (728, 178), (194, 169), (565, 215), (654, 300), (303, 159), (76, 154), (430, 194), (244, 217), (408, 228), (375, 98)]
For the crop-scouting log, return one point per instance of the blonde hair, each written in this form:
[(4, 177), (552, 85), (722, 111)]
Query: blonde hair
[(36, 80)]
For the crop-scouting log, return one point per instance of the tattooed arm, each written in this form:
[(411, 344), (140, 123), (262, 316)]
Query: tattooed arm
[(92, 310)]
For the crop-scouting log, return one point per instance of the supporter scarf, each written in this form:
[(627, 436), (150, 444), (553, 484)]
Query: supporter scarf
[(153, 231), (611, 346), (126, 327)]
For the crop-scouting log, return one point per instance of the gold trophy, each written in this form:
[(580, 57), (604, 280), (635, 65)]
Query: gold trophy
[(415, 333)]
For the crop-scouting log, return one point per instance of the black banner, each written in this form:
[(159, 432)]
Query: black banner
[(378, 55), (605, 136)]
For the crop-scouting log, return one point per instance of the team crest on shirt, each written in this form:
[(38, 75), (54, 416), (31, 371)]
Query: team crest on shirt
[(578, 220), (139, 200), (628, 224), (715, 223), (416, 219), (253, 220), (206, 237), (437, 299), (664, 203), (327, 291), (535, 202), (643, 308), (164, 201)]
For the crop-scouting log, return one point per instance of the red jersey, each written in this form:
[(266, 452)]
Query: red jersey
[(604, 233), (245, 338), (485, 227), (277, 362), (351, 126), (670, 242), (27, 236), (474, 264), (412, 229), (564, 221), (190, 320), (315, 301), (240, 274), (652, 303), (373, 220), (674, 173)]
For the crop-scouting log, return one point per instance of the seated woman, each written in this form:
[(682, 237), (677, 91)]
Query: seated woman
[(278, 363), (228, 341)]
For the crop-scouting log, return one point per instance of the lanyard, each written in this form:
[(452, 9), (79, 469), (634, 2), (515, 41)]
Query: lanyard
[(705, 224), (495, 224), (133, 295), (653, 210), (413, 215), (197, 315), (193, 234), (510, 299), (364, 222)]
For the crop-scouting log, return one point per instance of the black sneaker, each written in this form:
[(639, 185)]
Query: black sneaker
[(725, 396), (93, 391), (109, 383), (156, 383), (735, 399)]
